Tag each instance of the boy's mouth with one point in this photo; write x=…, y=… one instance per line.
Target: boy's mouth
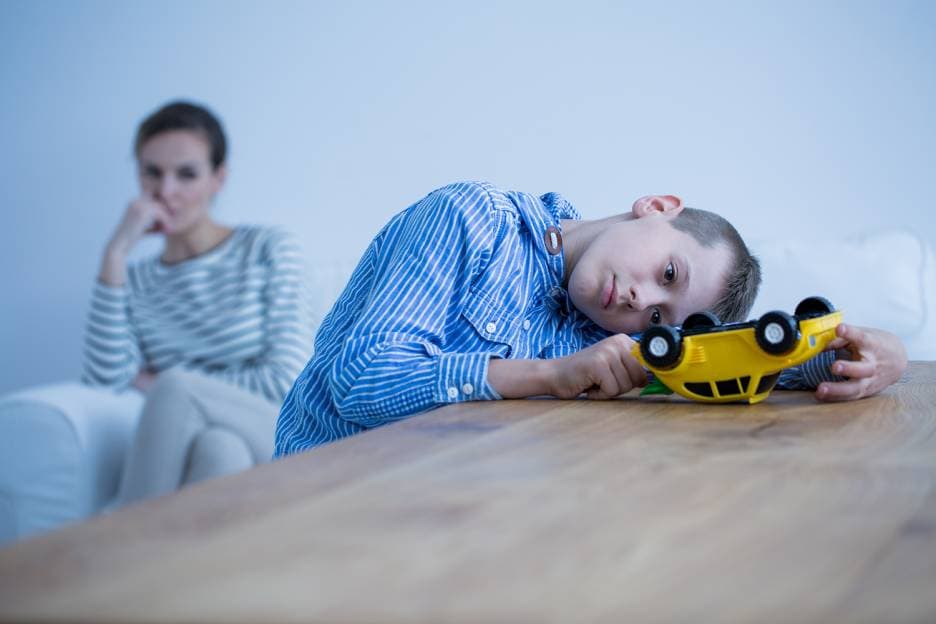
x=609, y=293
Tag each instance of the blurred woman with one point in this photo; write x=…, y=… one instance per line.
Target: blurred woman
x=214, y=329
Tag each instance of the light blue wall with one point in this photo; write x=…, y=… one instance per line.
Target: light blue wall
x=342, y=113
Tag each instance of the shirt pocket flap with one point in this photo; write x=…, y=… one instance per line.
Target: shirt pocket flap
x=491, y=320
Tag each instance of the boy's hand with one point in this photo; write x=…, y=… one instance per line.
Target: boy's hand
x=878, y=360
x=602, y=371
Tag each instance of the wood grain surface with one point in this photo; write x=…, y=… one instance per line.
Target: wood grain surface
x=568, y=511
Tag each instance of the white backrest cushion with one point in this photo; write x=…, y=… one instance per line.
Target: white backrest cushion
x=327, y=279
x=879, y=279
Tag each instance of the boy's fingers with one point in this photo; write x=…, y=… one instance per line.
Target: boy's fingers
x=607, y=385
x=836, y=343
x=854, y=335
x=635, y=372
x=845, y=334
x=627, y=369
x=853, y=369
x=840, y=390
x=598, y=393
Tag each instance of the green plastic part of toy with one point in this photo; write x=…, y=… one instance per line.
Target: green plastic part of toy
x=655, y=387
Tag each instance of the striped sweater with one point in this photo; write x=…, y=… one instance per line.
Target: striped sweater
x=238, y=312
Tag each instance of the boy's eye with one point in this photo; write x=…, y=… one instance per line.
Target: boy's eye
x=655, y=317
x=669, y=274
x=187, y=174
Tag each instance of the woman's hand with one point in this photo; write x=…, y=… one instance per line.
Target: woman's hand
x=144, y=215
x=878, y=360
x=144, y=381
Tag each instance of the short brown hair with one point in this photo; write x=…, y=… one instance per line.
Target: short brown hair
x=744, y=273
x=185, y=116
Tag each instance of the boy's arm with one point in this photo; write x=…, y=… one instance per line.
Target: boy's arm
x=392, y=363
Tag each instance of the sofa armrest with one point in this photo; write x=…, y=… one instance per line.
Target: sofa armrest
x=62, y=449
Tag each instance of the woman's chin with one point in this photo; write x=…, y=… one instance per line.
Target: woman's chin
x=174, y=228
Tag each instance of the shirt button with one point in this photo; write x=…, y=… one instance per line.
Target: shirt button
x=453, y=393
x=467, y=388
x=526, y=324
x=490, y=328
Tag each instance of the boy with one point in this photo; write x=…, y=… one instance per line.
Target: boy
x=477, y=293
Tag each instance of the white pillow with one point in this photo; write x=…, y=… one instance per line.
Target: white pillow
x=327, y=280
x=880, y=279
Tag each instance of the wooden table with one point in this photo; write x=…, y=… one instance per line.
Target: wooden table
x=568, y=511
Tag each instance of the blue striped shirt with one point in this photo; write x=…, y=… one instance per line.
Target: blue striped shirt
x=459, y=277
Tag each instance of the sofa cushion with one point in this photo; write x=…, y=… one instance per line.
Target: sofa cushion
x=881, y=279
x=62, y=447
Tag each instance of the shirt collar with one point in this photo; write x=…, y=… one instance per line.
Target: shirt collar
x=559, y=208
x=541, y=213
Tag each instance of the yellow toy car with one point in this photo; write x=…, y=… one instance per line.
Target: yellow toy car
x=707, y=361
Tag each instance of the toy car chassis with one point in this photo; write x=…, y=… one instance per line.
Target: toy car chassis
x=705, y=360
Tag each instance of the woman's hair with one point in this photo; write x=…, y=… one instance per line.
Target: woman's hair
x=185, y=116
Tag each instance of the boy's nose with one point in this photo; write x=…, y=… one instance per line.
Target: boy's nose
x=635, y=301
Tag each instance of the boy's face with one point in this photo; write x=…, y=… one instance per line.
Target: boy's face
x=643, y=271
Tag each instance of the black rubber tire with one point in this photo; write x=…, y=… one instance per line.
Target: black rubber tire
x=813, y=306
x=700, y=320
x=661, y=346
x=777, y=332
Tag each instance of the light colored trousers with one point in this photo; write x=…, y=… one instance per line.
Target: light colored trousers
x=192, y=428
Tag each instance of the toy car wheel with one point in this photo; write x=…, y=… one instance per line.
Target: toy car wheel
x=701, y=320
x=661, y=346
x=814, y=306
x=776, y=332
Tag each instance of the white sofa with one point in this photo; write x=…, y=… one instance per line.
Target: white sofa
x=62, y=446
x=61, y=452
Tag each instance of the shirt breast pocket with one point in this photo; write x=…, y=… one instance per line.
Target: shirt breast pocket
x=493, y=322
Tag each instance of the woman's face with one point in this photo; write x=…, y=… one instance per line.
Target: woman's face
x=175, y=169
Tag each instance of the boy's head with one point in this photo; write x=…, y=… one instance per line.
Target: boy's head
x=744, y=276
x=658, y=264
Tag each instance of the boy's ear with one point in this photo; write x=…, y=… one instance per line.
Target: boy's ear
x=650, y=204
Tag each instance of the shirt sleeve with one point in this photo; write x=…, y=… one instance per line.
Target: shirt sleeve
x=287, y=325
x=809, y=374
x=394, y=362
x=112, y=355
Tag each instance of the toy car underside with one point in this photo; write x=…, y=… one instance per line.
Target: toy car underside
x=708, y=361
